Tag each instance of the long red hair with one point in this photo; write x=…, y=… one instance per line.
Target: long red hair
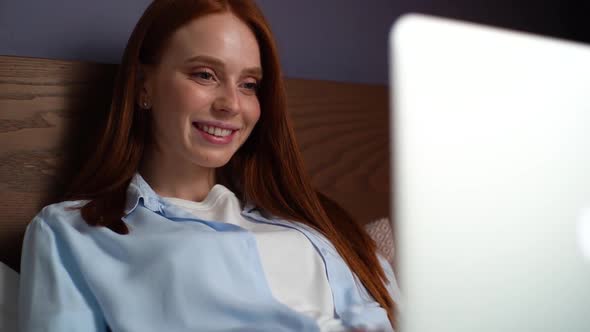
x=267, y=170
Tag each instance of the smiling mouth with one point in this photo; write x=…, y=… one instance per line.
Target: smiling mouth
x=214, y=131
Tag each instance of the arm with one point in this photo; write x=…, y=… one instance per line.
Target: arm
x=53, y=296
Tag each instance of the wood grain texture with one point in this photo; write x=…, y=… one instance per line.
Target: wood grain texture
x=342, y=130
x=49, y=111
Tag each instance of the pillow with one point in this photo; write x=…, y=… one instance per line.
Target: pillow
x=8, y=298
x=381, y=232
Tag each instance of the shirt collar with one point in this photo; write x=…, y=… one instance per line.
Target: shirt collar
x=139, y=189
x=249, y=207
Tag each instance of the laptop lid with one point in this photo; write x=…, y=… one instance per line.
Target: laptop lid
x=491, y=178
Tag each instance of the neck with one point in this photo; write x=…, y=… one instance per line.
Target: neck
x=170, y=178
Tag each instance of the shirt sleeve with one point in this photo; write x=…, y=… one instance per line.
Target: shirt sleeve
x=53, y=296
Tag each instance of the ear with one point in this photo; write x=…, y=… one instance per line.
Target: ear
x=144, y=91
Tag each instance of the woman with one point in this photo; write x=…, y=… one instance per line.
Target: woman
x=194, y=212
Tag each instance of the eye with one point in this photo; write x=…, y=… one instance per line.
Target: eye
x=203, y=75
x=251, y=86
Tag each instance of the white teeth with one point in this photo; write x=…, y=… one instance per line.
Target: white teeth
x=216, y=131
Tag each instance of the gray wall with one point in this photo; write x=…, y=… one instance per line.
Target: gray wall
x=343, y=40
x=68, y=29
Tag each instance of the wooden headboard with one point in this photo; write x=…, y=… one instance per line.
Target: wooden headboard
x=48, y=109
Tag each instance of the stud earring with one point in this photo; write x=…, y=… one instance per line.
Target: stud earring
x=145, y=105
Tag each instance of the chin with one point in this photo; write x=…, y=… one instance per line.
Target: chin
x=212, y=161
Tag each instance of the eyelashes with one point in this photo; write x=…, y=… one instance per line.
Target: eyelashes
x=203, y=75
x=208, y=77
x=252, y=86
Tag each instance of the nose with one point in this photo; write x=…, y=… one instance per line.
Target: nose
x=227, y=100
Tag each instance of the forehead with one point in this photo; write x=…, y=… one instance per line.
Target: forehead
x=223, y=36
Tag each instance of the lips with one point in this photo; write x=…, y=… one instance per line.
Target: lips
x=212, y=130
x=216, y=133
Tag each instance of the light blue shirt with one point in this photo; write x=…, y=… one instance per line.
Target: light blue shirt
x=172, y=272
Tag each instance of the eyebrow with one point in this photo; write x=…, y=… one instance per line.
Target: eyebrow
x=252, y=71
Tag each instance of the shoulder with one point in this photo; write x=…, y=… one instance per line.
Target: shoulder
x=64, y=210
x=58, y=216
x=57, y=232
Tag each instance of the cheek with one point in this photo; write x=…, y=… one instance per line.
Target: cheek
x=253, y=112
x=181, y=95
x=176, y=100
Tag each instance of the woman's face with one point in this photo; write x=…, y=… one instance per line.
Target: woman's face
x=202, y=93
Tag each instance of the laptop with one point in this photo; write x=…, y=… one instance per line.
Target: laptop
x=491, y=178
